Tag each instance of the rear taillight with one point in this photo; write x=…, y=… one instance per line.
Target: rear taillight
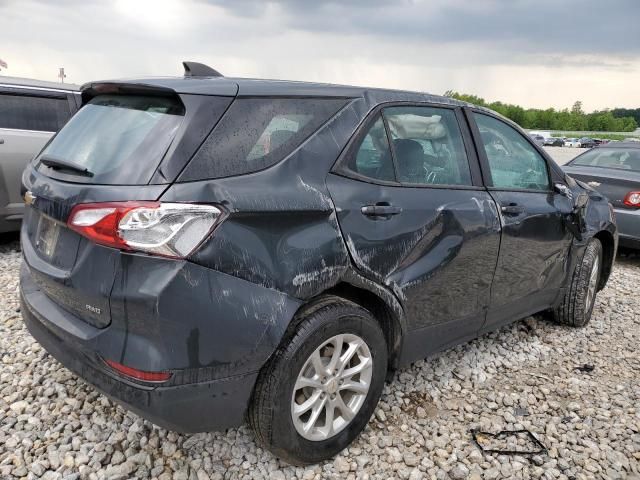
x=167, y=229
x=632, y=199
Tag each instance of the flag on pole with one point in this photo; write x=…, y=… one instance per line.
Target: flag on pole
x=3, y=64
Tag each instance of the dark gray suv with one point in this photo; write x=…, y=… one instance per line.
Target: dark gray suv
x=206, y=250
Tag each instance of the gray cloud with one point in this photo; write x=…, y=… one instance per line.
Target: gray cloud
x=527, y=26
x=534, y=53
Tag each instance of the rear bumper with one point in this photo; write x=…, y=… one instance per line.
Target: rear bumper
x=201, y=397
x=214, y=405
x=628, y=222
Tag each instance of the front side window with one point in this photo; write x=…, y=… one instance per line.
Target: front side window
x=428, y=146
x=24, y=112
x=513, y=162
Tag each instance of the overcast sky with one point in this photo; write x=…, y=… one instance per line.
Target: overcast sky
x=536, y=53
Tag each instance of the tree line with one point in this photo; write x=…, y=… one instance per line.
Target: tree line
x=575, y=119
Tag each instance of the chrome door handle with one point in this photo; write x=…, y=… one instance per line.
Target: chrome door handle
x=380, y=210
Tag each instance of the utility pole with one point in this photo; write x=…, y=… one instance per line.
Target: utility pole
x=3, y=64
x=61, y=75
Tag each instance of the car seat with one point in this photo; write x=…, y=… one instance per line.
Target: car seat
x=411, y=159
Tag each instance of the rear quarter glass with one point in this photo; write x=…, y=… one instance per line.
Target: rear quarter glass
x=256, y=133
x=119, y=139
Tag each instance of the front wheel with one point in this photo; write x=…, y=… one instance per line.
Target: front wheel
x=319, y=390
x=577, y=305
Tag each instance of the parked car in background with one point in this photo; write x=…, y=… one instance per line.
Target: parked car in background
x=613, y=169
x=587, y=142
x=30, y=112
x=572, y=142
x=207, y=250
x=554, y=142
x=538, y=139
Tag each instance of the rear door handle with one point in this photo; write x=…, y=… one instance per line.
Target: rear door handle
x=380, y=210
x=512, y=209
x=1, y=141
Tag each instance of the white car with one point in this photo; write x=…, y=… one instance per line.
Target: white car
x=572, y=142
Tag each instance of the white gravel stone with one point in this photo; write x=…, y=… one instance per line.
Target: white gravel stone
x=54, y=426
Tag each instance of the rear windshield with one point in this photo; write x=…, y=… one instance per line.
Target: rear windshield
x=621, y=159
x=256, y=133
x=118, y=139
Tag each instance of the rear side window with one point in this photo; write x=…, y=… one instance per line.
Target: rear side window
x=24, y=112
x=119, y=139
x=428, y=146
x=373, y=156
x=256, y=133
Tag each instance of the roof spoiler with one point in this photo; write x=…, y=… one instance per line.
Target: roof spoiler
x=195, y=69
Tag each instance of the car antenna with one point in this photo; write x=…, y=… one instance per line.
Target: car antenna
x=195, y=69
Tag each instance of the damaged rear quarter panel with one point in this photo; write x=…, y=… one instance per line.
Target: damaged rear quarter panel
x=281, y=231
x=174, y=314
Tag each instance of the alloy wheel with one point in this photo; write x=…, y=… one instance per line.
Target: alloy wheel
x=331, y=387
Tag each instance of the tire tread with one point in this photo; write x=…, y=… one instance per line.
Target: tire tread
x=570, y=311
x=260, y=414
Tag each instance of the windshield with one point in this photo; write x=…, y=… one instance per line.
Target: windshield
x=622, y=159
x=119, y=139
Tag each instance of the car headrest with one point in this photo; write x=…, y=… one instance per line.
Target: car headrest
x=409, y=152
x=633, y=161
x=279, y=137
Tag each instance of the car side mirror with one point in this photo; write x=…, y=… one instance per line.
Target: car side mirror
x=574, y=220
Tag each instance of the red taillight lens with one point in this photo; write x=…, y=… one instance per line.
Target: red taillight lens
x=168, y=229
x=138, y=374
x=632, y=199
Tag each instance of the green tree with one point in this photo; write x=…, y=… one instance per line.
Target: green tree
x=617, y=120
x=577, y=108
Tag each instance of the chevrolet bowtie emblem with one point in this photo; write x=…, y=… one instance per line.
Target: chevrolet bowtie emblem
x=594, y=184
x=29, y=198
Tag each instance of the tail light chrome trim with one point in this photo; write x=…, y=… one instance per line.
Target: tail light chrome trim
x=172, y=230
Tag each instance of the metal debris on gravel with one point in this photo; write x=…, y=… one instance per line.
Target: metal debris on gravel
x=54, y=426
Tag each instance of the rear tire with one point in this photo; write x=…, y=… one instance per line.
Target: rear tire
x=577, y=305
x=306, y=357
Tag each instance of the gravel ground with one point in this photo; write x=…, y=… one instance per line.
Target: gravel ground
x=53, y=425
x=563, y=154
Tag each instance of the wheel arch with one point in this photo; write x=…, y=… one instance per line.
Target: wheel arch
x=388, y=319
x=382, y=304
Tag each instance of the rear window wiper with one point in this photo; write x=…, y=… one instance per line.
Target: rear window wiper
x=59, y=163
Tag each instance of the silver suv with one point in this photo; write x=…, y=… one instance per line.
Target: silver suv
x=31, y=111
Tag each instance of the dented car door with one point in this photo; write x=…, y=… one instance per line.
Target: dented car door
x=416, y=218
x=532, y=264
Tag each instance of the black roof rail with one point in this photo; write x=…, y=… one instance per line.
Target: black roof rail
x=195, y=69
